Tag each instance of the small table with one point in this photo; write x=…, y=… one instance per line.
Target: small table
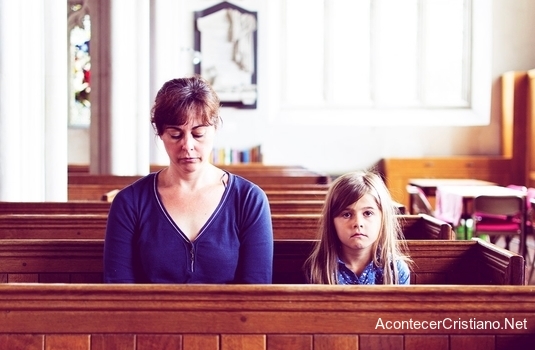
x=455, y=203
x=429, y=186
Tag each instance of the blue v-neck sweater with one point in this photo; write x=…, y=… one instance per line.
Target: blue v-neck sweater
x=144, y=245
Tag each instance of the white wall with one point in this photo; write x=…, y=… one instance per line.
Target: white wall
x=340, y=148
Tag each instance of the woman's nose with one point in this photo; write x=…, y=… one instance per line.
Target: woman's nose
x=187, y=143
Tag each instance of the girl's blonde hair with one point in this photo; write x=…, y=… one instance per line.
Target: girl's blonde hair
x=322, y=265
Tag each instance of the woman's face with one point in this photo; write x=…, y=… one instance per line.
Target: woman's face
x=189, y=146
x=358, y=226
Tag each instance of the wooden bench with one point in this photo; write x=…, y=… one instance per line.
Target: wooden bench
x=84, y=168
x=296, y=194
x=258, y=177
x=305, y=226
x=91, y=192
x=238, y=169
x=103, y=207
x=96, y=192
x=285, y=226
x=85, y=186
x=69, y=207
x=474, y=262
x=251, y=317
x=435, y=262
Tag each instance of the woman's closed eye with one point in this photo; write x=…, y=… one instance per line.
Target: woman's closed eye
x=178, y=136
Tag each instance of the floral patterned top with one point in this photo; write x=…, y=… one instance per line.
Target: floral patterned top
x=372, y=274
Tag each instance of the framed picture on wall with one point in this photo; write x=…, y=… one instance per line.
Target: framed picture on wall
x=225, y=35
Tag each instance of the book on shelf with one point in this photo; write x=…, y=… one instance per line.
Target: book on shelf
x=228, y=155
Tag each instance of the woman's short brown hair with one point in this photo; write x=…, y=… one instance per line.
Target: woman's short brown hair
x=179, y=100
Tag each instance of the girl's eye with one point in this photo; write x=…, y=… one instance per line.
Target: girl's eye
x=346, y=215
x=198, y=136
x=368, y=213
x=176, y=136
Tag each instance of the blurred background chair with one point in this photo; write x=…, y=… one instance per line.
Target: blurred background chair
x=418, y=202
x=498, y=216
x=530, y=231
x=530, y=194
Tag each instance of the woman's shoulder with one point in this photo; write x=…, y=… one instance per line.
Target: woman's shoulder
x=242, y=183
x=246, y=192
x=137, y=187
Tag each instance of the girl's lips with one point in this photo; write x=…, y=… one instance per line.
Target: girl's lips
x=358, y=234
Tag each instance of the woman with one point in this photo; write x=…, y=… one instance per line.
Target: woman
x=190, y=222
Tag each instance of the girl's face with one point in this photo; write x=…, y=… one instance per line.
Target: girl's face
x=190, y=145
x=358, y=226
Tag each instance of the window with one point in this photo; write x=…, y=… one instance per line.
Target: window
x=392, y=59
x=80, y=65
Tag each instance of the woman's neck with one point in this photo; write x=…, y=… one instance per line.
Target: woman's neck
x=190, y=181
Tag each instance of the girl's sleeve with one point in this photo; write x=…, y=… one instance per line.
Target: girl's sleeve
x=255, y=264
x=118, y=251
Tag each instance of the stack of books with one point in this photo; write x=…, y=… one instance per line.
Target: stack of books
x=228, y=155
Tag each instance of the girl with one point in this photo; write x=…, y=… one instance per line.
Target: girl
x=360, y=238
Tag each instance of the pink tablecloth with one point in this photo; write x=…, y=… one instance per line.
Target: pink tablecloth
x=450, y=200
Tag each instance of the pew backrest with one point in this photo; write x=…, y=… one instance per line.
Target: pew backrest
x=434, y=262
x=472, y=262
x=239, y=317
x=69, y=207
x=285, y=226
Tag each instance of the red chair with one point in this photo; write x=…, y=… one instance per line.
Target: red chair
x=497, y=216
x=530, y=216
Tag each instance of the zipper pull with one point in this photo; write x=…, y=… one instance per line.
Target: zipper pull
x=192, y=253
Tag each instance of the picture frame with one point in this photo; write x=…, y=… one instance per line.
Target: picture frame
x=225, y=38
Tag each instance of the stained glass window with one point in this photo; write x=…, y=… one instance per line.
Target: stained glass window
x=80, y=67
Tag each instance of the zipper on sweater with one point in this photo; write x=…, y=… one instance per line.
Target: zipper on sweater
x=192, y=256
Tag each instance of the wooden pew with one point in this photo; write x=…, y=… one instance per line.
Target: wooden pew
x=103, y=207
x=53, y=226
x=252, y=317
x=304, y=226
x=435, y=262
x=245, y=170
x=84, y=168
x=474, y=262
x=69, y=207
x=295, y=194
x=85, y=186
x=283, y=176
x=285, y=226
x=92, y=192
x=296, y=206
x=95, y=192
